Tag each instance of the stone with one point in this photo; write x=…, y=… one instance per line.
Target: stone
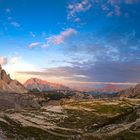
x=6, y=78
x=9, y=85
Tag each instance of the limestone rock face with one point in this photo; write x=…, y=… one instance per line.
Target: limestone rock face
x=18, y=87
x=9, y=85
x=5, y=77
x=132, y=92
x=13, y=94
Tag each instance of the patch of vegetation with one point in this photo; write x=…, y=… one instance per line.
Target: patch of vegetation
x=56, y=95
x=101, y=115
x=81, y=119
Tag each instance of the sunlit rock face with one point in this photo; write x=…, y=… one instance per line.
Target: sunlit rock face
x=9, y=85
x=42, y=85
x=132, y=92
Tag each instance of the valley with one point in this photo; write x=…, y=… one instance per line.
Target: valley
x=74, y=120
x=54, y=112
x=69, y=69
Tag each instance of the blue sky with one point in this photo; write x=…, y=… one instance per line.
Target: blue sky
x=75, y=42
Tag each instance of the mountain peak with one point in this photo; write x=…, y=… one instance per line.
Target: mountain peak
x=43, y=85
x=36, y=80
x=9, y=85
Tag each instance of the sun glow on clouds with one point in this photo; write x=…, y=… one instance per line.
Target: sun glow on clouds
x=59, y=39
x=3, y=60
x=54, y=40
x=18, y=64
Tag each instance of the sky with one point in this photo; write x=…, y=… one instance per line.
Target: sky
x=75, y=42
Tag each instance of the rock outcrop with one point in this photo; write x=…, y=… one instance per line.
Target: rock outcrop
x=132, y=92
x=9, y=85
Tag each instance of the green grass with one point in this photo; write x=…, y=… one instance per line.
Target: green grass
x=101, y=115
x=78, y=119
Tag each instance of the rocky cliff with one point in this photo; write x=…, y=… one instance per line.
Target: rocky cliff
x=9, y=85
x=13, y=95
x=132, y=92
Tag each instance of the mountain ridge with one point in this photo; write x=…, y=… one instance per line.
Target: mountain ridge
x=132, y=92
x=43, y=85
x=9, y=85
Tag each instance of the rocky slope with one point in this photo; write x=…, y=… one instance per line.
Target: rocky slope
x=84, y=120
x=35, y=84
x=13, y=95
x=133, y=92
x=9, y=85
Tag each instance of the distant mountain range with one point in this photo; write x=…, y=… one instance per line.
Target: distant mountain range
x=7, y=85
x=104, y=88
x=35, y=84
x=110, y=88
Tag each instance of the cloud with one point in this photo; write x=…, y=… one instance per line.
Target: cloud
x=8, y=10
x=131, y=1
x=110, y=72
x=9, y=60
x=34, y=44
x=115, y=58
x=75, y=8
x=11, y=21
x=14, y=59
x=19, y=64
x=3, y=60
x=109, y=8
x=60, y=38
x=54, y=40
x=32, y=34
x=15, y=24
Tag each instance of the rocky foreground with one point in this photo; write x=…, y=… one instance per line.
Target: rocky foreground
x=71, y=120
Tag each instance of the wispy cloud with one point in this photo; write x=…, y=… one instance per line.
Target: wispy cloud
x=99, y=72
x=109, y=7
x=8, y=10
x=15, y=24
x=14, y=59
x=60, y=38
x=3, y=60
x=55, y=40
x=32, y=34
x=75, y=8
x=10, y=20
x=34, y=44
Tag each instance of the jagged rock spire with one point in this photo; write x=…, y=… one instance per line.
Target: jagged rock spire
x=9, y=85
